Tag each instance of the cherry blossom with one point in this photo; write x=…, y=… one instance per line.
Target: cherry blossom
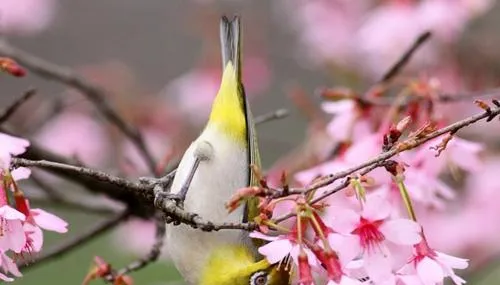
x=281, y=246
x=433, y=266
x=375, y=232
x=26, y=17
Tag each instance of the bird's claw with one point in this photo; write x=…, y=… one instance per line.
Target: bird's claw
x=161, y=196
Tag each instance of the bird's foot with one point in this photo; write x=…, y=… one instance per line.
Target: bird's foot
x=161, y=197
x=161, y=187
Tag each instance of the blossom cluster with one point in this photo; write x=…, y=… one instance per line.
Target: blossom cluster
x=368, y=36
x=20, y=225
x=371, y=231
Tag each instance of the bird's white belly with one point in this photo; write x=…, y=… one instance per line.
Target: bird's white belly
x=214, y=183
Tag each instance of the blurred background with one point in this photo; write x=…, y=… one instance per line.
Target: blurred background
x=160, y=63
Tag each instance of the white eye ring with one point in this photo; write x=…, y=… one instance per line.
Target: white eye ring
x=259, y=278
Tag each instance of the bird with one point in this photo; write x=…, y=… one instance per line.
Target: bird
x=212, y=169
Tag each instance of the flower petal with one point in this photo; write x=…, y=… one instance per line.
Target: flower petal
x=10, y=266
x=9, y=213
x=13, y=236
x=452, y=261
x=260, y=235
x=343, y=220
x=430, y=271
x=35, y=237
x=378, y=265
x=376, y=208
x=276, y=250
x=347, y=246
x=21, y=173
x=401, y=231
x=6, y=278
x=48, y=221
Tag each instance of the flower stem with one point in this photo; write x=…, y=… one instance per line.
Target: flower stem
x=406, y=198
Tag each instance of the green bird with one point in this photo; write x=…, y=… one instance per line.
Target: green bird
x=211, y=170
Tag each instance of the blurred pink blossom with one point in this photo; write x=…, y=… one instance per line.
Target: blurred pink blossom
x=140, y=237
x=369, y=37
x=26, y=17
x=132, y=161
x=10, y=145
x=76, y=134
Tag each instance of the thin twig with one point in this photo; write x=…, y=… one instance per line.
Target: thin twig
x=79, y=170
x=441, y=98
x=95, y=94
x=12, y=108
x=140, y=190
x=151, y=257
x=76, y=242
x=405, y=58
x=379, y=160
x=404, y=146
x=275, y=115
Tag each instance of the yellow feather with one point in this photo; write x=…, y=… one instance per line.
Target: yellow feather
x=228, y=112
x=231, y=265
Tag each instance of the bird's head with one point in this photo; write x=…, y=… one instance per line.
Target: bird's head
x=236, y=265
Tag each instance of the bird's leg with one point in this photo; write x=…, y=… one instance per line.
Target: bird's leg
x=203, y=152
x=161, y=186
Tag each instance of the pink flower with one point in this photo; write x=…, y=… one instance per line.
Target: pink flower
x=447, y=19
x=11, y=227
x=422, y=175
x=48, y=221
x=365, y=147
x=8, y=266
x=386, y=33
x=325, y=28
x=26, y=17
x=37, y=219
x=375, y=233
x=10, y=145
x=157, y=142
x=76, y=134
x=34, y=238
x=348, y=122
x=140, y=237
x=464, y=154
x=433, y=266
x=281, y=246
x=345, y=280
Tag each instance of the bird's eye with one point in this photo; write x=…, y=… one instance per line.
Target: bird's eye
x=258, y=278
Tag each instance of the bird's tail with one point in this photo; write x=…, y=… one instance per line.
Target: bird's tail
x=230, y=40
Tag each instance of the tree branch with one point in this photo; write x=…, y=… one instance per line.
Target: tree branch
x=12, y=108
x=275, y=115
x=146, y=192
x=76, y=242
x=405, y=58
x=408, y=144
x=95, y=94
x=379, y=160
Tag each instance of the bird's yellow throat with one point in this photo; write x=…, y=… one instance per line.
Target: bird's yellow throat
x=228, y=112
